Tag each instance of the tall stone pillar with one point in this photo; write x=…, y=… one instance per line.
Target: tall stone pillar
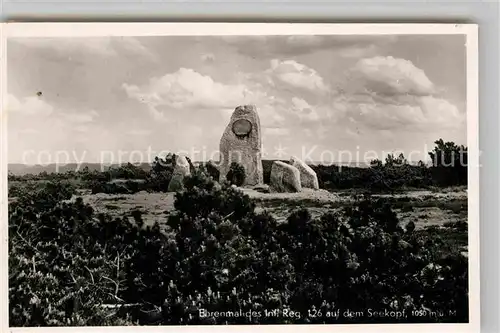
x=241, y=142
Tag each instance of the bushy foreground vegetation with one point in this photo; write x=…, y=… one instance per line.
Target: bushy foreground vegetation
x=236, y=174
x=71, y=266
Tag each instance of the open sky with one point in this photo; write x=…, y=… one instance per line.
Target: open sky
x=317, y=96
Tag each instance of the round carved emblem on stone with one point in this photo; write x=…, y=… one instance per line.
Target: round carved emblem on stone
x=242, y=127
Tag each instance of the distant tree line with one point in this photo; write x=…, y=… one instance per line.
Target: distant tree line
x=448, y=168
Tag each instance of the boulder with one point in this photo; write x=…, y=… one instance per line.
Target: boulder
x=285, y=178
x=181, y=170
x=241, y=142
x=262, y=188
x=308, y=178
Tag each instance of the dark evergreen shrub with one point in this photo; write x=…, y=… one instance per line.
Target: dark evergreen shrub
x=236, y=174
x=212, y=170
x=66, y=262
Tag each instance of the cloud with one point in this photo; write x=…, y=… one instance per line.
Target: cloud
x=352, y=133
x=37, y=125
x=133, y=46
x=139, y=132
x=297, y=75
x=392, y=76
x=441, y=112
x=96, y=46
x=28, y=106
x=187, y=89
x=296, y=45
x=308, y=43
x=208, y=57
x=392, y=94
x=420, y=113
x=183, y=89
x=28, y=131
x=383, y=95
x=272, y=131
x=303, y=110
x=34, y=107
x=81, y=128
x=356, y=51
x=80, y=117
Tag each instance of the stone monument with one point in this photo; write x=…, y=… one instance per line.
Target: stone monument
x=181, y=170
x=241, y=142
x=308, y=177
x=285, y=178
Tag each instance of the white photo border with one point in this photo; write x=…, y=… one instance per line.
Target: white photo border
x=19, y=30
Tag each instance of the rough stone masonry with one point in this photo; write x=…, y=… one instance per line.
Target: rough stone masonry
x=241, y=142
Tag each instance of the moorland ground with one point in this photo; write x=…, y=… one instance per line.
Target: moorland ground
x=423, y=207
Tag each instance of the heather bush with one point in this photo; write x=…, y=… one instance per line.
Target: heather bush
x=449, y=163
x=60, y=270
x=129, y=179
x=378, y=177
x=87, y=176
x=448, y=168
x=203, y=196
x=236, y=174
x=212, y=170
x=42, y=196
x=66, y=263
x=127, y=171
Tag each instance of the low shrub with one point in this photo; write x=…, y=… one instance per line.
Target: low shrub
x=66, y=262
x=212, y=170
x=133, y=179
x=236, y=174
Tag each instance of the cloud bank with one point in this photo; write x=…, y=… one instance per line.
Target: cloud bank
x=339, y=92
